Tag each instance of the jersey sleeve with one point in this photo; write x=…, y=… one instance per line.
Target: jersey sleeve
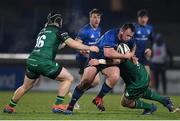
x=62, y=35
x=151, y=38
x=109, y=40
x=81, y=35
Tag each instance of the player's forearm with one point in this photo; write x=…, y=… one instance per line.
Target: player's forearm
x=113, y=54
x=80, y=46
x=77, y=45
x=81, y=51
x=62, y=45
x=110, y=62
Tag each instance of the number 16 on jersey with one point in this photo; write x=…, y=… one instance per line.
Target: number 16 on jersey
x=40, y=41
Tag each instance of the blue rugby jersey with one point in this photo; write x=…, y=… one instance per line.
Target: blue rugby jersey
x=109, y=39
x=89, y=36
x=142, y=37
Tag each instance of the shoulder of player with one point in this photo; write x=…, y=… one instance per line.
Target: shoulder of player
x=62, y=32
x=149, y=26
x=110, y=34
x=47, y=30
x=84, y=29
x=111, y=31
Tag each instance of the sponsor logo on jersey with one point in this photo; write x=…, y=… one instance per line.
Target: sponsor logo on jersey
x=92, y=36
x=91, y=43
x=143, y=38
x=138, y=32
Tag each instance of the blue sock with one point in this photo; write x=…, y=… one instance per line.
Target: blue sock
x=75, y=97
x=104, y=90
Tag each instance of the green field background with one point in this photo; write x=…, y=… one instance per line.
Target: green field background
x=37, y=106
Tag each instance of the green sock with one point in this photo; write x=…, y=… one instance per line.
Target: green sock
x=12, y=103
x=149, y=94
x=142, y=105
x=59, y=100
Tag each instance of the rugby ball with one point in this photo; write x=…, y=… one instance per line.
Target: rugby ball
x=123, y=48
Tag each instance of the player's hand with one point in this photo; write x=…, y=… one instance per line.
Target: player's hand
x=93, y=62
x=84, y=52
x=94, y=49
x=128, y=55
x=135, y=60
x=148, y=53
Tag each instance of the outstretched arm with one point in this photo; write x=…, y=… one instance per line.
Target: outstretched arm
x=62, y=45
x=77, y=45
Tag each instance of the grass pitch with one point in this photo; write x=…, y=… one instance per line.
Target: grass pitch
x=37, y=105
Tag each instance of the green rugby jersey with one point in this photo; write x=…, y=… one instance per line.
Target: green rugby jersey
x=48, y=41
x=134, y=75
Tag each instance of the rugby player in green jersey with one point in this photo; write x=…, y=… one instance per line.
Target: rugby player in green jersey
x=42, y=61
x=136, y=80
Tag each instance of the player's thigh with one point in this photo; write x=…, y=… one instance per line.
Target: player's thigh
x=64, y=74
x=31, y=71
x=97, y=78
x=52, y=70
x=45, y=67
x=87, y=77
x=89, y=73
x=31, y=77
x=112, y=72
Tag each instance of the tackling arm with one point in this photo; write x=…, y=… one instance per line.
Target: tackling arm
x=77, y=45
x=113, y=54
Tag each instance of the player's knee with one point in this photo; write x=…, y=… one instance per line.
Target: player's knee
x=71, y=78
x=113, y=79
x=95, y=83
x=128, y=103
x=132, y=104
x=124, y=103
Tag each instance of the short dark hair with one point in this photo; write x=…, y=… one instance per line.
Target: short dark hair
x=142, y=12
x=128, y=26
x=95, y=11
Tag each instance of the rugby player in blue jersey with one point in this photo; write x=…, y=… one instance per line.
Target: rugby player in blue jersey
x=143, y=38
x=107, y=51
x=88, y=35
